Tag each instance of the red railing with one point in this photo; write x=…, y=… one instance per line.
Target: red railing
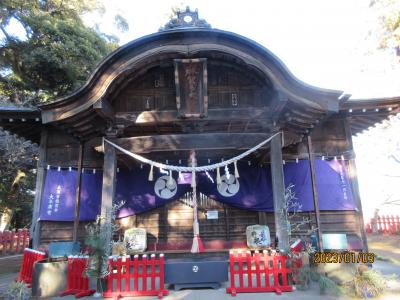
x=136, y=277
x=13, y=242
x=78, y=282
x=260, y=272
x=30, y=257
x=384, y=224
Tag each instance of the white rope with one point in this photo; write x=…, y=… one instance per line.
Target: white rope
x=192, y=169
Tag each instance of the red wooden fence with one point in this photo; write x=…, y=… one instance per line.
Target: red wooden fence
x=78, y=282
x=13, y=242
x=136, y=277
x=260, y=272
x=384, y=224
x=28, y=260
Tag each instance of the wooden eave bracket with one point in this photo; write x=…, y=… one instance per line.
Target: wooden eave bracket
x=104, y=109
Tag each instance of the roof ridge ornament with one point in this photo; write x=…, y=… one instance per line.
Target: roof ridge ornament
x=186, y=19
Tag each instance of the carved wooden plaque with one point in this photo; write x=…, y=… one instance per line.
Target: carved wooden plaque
x=191, y=87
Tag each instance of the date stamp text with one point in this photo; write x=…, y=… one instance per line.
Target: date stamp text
x=344, y=257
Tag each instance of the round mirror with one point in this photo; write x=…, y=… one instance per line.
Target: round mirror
x=187, y=19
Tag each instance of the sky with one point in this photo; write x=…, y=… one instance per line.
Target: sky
x=379, y=170
x=323, y=43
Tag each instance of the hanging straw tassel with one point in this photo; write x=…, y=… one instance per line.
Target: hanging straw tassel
x=236, y=170
x=219, y=181
x=151, y=173
x=197, y=245
x=170, y=182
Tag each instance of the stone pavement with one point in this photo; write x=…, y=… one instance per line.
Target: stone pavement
x=208, y=294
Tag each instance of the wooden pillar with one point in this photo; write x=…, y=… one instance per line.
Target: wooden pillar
x=314, y=190
x=355, y=188
x=40, y=178
x=262, y=218
x=78, y=193
x=226, y=215
x=108, y=190
x=278, y=189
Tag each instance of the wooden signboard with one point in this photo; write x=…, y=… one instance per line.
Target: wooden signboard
x=212, y=214
x=135, y=240
x=258, y=236
x=191, y=87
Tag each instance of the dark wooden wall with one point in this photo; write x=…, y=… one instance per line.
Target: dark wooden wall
x=155, y=90
x=62, y=150
x=328, y=138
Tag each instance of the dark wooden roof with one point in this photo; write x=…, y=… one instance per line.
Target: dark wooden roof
x=365, y=113
x=87, y=112
x=25, y=122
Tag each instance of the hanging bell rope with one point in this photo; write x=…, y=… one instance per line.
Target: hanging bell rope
x=191, y=169
x=197, y=245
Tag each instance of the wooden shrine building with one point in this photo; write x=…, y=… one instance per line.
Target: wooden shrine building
x=191, y=87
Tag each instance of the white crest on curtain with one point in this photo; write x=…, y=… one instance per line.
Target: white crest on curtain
x=229, y=186
x=165, y=187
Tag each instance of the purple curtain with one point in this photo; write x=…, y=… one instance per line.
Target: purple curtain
x=58, y=198
x=252, y=191
x=139, y=194
x=333, y=186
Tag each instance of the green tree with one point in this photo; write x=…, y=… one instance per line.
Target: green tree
x=17, y=180
x=386, y=30
x=57, y=53
x=54, y=56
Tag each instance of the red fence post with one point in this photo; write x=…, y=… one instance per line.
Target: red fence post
x=232, y=289
x=14, y=241
x=1, y=243
x=162, y=292
x=249, y=266
x=6, y=237
x=398, y=224
x=19, y=234
x=28, y=260
x=257, y=262
x=152, y=272
x=120, y=269
x=259, y=265
x=77, y=281
x=388, y=224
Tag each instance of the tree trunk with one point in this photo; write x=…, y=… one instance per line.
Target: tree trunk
x=5, y=219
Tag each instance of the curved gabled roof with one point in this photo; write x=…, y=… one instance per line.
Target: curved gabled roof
x=84, y=115
x=188, y=43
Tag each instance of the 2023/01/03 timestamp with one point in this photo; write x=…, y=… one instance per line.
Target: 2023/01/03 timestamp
x=344, y=257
